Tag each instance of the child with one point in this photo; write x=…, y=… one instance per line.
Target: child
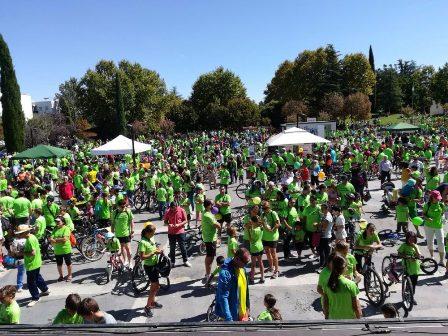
x=410, y=251
x=219, y=263
x=9, y=309
x=240, y=174
x=232, y=242
x=339, y=224
x=402, y=215
x=389, y=311
x=271, y=313
x=69, y=315
x=299, y=239
x=112, y=243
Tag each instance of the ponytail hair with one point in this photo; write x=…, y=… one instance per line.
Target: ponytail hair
x=270, y=301
x=337, y=269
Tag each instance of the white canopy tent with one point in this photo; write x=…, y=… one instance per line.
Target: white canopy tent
x=120, y=145
x=294, y=136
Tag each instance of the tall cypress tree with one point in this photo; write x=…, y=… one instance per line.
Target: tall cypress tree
x=372, y=65
x=119, y=107
x=12, y=116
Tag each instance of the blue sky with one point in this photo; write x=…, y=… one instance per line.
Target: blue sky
x=51, y=41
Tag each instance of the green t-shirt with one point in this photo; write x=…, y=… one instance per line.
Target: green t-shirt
x=41, y=225
x=435, y=212
x=161, y=194
x=113, y=245
x=270, y=218
x=255, y=237
x=432, y=182
x=104, y=208
x=199, y=202
x=32, y=262
x=209, y=232
x=412, y=265
x=65, y=247
x=312, y=215
x=21, y=207
x=63, y=317
x=402, y=213
x=292, y=217
x=36, y=204
x=264, y=316
x=232, y=245
x=7, y=203
x=129, y=183
x=224, y=177
x=147, y=246
x=324, y=276
x=225, y=209
x=50, y=213
x=10, y=314
x=351, y=266
x=340, y=301
x=122, y=223
x=369, y=240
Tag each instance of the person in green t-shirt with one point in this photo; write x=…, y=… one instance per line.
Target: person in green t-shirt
x=69, y=315
x=366, y=242
x=104, y=205
x=149, y=252
x=224, y=177
x=22, y=208
x=39, y=224
x=60, y=239
x=410, y=253
x=222, y=201
x=199, y=200
x=33, y=262
x=162, y=197
x=270, y=313
x=9, y=309
x=271, y=225
x=402, y=215
x=433, y=212
x=209, y=236
x=340, y=295
x=123, y=228
x=312, y=217
x=232, y=242
x=50, y=211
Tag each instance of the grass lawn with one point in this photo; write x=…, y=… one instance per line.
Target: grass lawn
x=392, y=119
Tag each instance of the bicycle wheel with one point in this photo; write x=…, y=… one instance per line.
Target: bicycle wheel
x=241, y=190
x=211, y=315
x=202, y=248
x=374, y=288
x=93, y=249
x=164, y=283
x=139, y=200
x=139, y=279
x=386, y=266
x=429, y=266
x=407, y=293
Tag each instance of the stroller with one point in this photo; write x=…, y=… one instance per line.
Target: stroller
x=390, y=197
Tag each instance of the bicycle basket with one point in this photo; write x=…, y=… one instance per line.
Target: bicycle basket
x=164, y=266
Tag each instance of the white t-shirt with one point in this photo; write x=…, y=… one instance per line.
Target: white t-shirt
x=339, y=228
x=327, y=232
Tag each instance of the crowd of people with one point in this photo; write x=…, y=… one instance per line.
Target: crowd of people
x=296, y=201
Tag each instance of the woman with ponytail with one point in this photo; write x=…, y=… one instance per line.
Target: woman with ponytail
x=340, y=300
x=271, y=313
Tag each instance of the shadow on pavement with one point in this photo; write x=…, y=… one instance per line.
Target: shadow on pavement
x=197, y=318
x=126, y=315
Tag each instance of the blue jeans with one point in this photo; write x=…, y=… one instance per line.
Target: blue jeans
x=20, y=274
x=162, y=208
x=191, y=199
x=35, y=282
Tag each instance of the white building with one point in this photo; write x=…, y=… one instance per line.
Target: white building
x=27, y=106
x=45, y=106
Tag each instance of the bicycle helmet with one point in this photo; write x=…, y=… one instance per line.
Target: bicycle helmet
x=109, y=235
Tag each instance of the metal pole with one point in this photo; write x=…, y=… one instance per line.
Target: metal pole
x=297, y=120
x=133, y=147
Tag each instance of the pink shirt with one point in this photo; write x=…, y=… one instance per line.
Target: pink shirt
x=175, y=216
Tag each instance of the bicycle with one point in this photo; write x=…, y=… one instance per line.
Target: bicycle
x=93, y=247
x=191, y=242
x=373, y=284
x=389, y=238
x=114, y=264
x=46, y=249
x=139, y=279
x=211, y=315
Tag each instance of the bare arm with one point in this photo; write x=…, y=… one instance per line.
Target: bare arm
x=356, y=307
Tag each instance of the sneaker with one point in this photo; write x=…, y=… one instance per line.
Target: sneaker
x=274, y=275
x=46, y=293
x=156, y=305
x=32, y=303
x=19, y=290
x=205, y=279
x=187, y=264
x=262, y=281
x=148, y=312
x=414, y=302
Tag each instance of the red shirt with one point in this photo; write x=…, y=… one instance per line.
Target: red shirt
x=175, y=216
x=304, y=174
x=66, y=190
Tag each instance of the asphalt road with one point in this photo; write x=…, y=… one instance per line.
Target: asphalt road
x=188, y=300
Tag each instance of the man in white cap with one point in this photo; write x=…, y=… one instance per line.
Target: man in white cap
x=33, y=262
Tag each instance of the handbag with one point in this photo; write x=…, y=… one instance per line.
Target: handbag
x=72, y=240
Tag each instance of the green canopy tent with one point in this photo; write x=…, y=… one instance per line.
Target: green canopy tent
x=402, y=127
x=42, y=152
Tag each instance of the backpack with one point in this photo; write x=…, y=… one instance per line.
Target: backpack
x=163, y=265
x=6, y=225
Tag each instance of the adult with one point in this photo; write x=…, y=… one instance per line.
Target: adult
x=22, y=209
x=222, y=201
x=123, y=227
x=433, y=212
x=50, y=210
x=66, y=190
x=232, y=294
x=385, y=169
x=104, y=205
x=366, y=242
x=270, y=237
x=340, y=299
x=176, y=218
x=60, y=239
x=326, y=225
x=210, y=229
x=33, y=262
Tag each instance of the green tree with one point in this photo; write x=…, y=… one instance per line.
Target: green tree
x=371, y=59
x=372, y=66
x=333, y=106
x=406, y=76
x=120, y=118
x=242, y=112
x=422, y=88
x=357, y=74
x=295, y=110
x=13, y=118
x=439, y=85
x=280, y=86
x=69, y=98
x=388, y=90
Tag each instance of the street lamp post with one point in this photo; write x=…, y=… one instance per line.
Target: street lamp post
x=131, y=128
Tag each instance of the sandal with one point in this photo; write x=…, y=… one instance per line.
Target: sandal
x=61, y=278
x=68, y=278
